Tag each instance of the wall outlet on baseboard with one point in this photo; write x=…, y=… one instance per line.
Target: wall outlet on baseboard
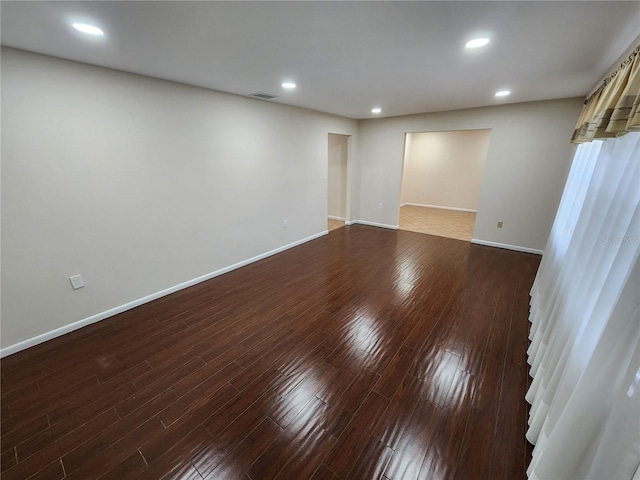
x=76, y=282
x=499, y=224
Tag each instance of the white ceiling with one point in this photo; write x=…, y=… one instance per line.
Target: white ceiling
x=346, y=57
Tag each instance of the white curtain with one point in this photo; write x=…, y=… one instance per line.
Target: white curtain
x=585, y=323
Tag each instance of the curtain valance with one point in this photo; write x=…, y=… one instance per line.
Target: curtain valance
x=613, y=109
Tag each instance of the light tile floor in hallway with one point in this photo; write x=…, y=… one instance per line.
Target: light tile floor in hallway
x=334, y=224
x=435, y=221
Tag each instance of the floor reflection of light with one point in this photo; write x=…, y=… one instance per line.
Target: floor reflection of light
x=441, y=374
x=363, y=331
x=405, y=278
x=435, y=465
x=290, y=404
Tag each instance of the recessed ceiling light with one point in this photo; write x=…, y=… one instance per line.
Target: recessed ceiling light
x=376, y=110
x=503, y=93
x=288, y=85
x=476, y=43
x=89, y=29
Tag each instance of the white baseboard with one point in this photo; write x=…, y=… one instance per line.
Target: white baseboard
x=439, y=207
x=333, y=217
x=517, y=248
x=374, y=224
x=349, y=222
x=135, y=303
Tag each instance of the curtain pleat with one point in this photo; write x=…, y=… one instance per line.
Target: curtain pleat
x=607, y=103
x=626, y=116
x=585, y=324
x=588, y=112
x=613, y=109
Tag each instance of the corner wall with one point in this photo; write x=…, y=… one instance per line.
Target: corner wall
x=141, y=185
x=526, y=167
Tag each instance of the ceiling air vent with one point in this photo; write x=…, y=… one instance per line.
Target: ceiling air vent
x=263, y=96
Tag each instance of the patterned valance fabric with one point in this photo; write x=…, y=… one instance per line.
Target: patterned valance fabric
x=614, y=108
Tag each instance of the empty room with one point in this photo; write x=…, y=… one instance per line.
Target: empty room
x=203, y=269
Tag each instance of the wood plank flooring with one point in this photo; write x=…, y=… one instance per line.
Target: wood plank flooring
x=365, y=354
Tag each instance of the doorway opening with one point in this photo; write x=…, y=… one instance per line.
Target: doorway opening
x=441, y=181
x=337, y=194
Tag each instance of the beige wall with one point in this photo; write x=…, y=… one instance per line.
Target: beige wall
x=526, y=166
x=337, y=181
x=141, y=185
x=444, y=169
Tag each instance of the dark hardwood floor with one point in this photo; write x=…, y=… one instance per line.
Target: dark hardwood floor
x=367, y=353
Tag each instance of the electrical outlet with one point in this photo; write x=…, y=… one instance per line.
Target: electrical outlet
x=285, y=224
x=380, y=205
x=499, y=224
x=76, y=282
